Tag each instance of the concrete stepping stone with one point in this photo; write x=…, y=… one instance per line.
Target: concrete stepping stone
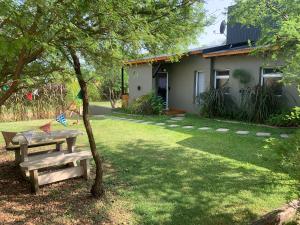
x=139, y=121
x=173, y=125
x=177, y=118
x=284, y=135
x=171, y=121
x=242, y=132
x=222, y=130
x=147, y=122
x=188, y=127
x=160, y=124
x=204, y=128
x=263, y=134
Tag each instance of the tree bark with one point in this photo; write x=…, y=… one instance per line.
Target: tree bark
x=97, y=188
x=279, y=216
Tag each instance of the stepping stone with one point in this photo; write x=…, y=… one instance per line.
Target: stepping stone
x=171, y=121
x=177, y=118
x=160, y=124
x=147, y=122
x=242, y=132
x=262, y=134
x=99, y=116
x=173, y=125
x=204, y=128
x=222, y=130
x=188, y=127
x=284, y=135
x=180, y=115
x=139, y=121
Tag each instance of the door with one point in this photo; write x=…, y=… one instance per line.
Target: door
x=162, y=87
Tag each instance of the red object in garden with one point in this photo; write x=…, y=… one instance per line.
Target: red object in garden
x=29, y=96
x=46, y=128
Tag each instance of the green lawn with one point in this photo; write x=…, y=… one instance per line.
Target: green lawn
x=177, y=176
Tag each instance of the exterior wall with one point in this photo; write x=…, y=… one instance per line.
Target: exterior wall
x=182, y=84
x=140, y=75
x=253, y=65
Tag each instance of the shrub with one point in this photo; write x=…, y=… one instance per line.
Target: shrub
x=217, y=103
x=290, y=119
x=242, y=75
x=288, y=151
x=258, y=104
x=149, y=104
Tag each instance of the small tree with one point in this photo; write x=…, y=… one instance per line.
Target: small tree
x=96, y=34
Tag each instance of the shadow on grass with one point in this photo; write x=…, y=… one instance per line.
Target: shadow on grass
x=175, y=185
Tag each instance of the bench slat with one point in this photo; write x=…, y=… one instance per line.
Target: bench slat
x=50, y=161
x=60, y=175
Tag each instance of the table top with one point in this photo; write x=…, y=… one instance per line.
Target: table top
x=30, y=137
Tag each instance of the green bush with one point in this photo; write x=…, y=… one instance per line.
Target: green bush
x=290, y=119
x=149, y=104
x=288, y=151
x=258, y=104
x=217, y=103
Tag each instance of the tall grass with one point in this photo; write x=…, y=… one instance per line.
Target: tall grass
x=50, y=101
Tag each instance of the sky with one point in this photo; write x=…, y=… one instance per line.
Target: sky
x=211, y=35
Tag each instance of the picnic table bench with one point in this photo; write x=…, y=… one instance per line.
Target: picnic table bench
x=37, y=179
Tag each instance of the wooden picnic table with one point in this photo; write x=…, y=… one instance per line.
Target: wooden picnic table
x=33, y=137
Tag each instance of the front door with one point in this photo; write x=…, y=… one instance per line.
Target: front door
x=162, y=87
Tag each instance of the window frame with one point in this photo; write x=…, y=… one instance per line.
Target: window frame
x=221, y=77
x=196, y=87
x=270, y=75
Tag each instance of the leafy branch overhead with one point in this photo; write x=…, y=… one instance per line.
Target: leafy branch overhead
x=279, y=21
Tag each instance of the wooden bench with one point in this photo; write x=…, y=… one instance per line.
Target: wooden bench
x=36, y=179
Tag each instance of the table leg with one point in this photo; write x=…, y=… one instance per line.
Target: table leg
x=71, y=148
x=17, y=157
x=24, y=152
x=71, y=144
x=24, y=157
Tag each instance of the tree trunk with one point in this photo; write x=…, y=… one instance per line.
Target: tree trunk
x=16, y=76
x=97, y=188
x=279, y=216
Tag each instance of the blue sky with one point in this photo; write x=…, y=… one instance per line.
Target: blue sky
x=211, y=35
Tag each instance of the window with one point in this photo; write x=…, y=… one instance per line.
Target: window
x=222, y=79
x=271, y=78
x=199, y=86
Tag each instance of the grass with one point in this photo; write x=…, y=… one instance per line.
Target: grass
x=105, y=104
x=176, y=176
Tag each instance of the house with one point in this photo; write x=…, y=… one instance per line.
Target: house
x=180, y=83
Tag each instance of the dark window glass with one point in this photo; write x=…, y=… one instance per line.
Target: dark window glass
x=222, y=83
x=274, y=83
x=223, y=73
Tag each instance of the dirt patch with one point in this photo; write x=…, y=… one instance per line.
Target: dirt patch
x=67, y=202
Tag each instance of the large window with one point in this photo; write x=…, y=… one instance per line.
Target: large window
x=271, y=78
x=222, y=79
x=199, y=85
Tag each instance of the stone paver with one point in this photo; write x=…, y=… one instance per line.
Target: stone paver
x=242, y=132
x=204, y=128
x=263, y=134
x=139, y=121
x=171, y=121
x=147, y=122
x=173, y=125
x=188, y=127
x=284, y=135
x=177, y=118
x=222, y=130
x=160, y=124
